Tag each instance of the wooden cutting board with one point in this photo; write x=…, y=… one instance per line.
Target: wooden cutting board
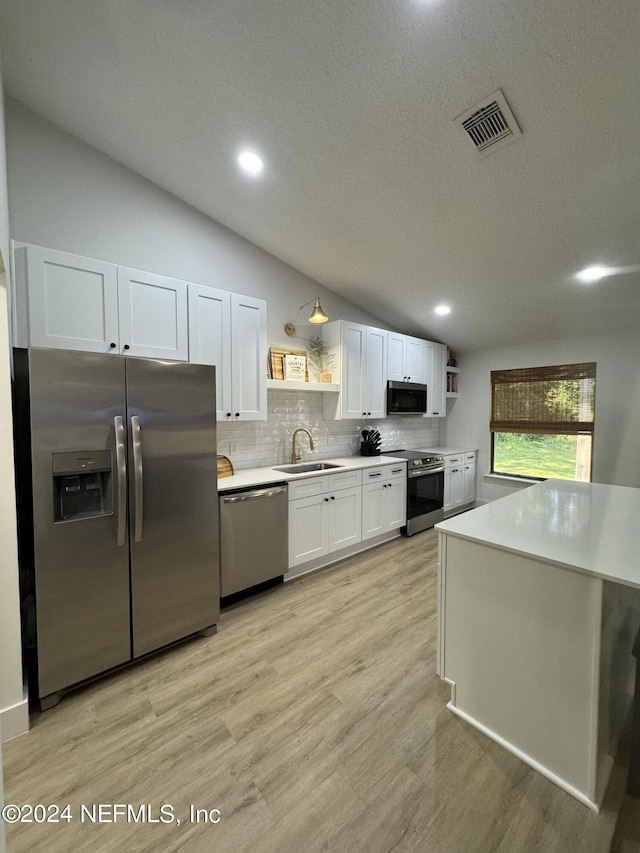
x=225, y=468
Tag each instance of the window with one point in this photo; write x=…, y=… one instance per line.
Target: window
x=542, y=421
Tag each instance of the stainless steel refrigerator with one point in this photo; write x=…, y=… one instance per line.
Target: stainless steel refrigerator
x=117, y=509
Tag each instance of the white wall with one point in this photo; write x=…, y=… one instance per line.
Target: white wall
x=13, y=707
x=66, y=195
x=616, y=448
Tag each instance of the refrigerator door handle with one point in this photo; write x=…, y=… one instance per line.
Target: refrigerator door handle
x=138, y=504
x=121, y=480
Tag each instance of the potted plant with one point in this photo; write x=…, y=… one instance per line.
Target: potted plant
x=320, y=359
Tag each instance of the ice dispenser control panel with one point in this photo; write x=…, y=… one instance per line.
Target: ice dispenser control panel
x=82, y=485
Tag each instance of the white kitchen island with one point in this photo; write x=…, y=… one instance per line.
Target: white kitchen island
x=539, y=604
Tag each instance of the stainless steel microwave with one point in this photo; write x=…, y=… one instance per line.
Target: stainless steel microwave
x=406, y=398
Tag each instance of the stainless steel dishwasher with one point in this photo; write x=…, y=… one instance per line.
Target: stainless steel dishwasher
x=254, y=534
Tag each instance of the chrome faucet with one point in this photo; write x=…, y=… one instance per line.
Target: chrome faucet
x=295, y=457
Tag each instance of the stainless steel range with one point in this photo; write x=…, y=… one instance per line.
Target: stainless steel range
x=425, y=489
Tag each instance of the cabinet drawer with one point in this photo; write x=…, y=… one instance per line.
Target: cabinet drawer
x=385, y=472
x=308, y=487
x=395, y=472
x=452, y=461
x=344, y=480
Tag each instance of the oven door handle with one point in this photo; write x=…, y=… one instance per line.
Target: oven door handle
x=413, y=474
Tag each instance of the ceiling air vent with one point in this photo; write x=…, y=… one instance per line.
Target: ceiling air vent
x=490, y=124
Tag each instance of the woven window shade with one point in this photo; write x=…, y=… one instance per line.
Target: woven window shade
x=555, y=400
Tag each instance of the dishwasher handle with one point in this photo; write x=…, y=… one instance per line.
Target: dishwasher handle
x=249, y=496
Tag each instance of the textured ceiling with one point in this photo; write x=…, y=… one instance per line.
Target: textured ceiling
x=369, y=186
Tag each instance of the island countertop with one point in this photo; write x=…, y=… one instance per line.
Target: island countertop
x=591, y=527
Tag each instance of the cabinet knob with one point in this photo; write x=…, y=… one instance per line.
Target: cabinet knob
x=333, y=497
x=126, y=346
x=228, y=414
x=237, y=414
x=327, y=500
x=112, y=346
x=384, y=485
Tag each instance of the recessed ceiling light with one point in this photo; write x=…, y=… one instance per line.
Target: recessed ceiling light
x=442, y=310
x=250, y=162
x=594, y=273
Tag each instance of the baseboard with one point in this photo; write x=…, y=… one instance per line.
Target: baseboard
x=523, y=756
x=14, y=721
x=338, y=556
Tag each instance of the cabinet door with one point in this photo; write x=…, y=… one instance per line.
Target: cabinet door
x=436, y=401
x=376, y=373
x=396, y=368
x=469, y=477
x=395, y=503
x=453, y=488
x=415, y=359
x=72, y=302
x=249, y=359
x=352, y=356
x=345, y=518
x=372, y=510
x=152, y=310
x=210, y=338
x=308, y=529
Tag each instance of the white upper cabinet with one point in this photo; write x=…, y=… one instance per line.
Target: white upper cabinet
x=361, y=353
x=230, y=331
x=69, y=302
x=375, y=373
x=153, y=315
x=406, y=358
x=248, y=358
x=65, y=301
x=416, y=359
x=210, y=338
x=436, y=400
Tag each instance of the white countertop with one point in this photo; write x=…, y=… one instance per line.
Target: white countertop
x=447, y=451
x=586, y=526
x=261, y=476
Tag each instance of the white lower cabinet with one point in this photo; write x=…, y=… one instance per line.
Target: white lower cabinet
x=345, y=518
x=469, y=481
x=325, y=515
x=308, y=529
x=330, y=513
x=459, y=480
x=384, y=500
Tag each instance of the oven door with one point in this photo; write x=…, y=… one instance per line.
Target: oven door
x=425, y=499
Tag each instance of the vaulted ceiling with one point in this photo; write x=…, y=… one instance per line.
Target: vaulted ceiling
x=369, y=186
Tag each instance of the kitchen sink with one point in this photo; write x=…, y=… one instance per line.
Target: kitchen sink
x=304, y=467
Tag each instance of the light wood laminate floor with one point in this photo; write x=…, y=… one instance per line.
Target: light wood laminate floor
x=313, y=721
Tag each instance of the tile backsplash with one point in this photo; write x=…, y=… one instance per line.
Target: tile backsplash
x=253, y=444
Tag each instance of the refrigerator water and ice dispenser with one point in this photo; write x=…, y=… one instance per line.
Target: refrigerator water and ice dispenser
x=82, y=486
